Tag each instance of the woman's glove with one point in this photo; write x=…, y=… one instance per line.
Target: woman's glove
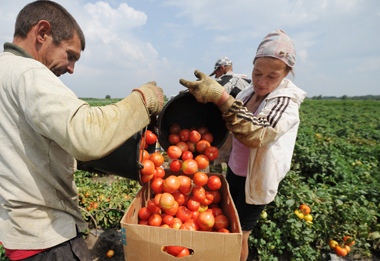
x=205, y=89
x=153, y=96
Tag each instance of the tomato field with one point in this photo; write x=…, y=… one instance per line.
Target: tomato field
x=335, y=172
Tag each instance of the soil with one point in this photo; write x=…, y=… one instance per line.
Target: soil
x=99, y=242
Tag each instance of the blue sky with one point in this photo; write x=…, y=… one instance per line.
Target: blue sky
x=133, y=42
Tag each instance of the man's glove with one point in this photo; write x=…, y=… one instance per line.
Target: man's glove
x=205, y=89
x=153, y=96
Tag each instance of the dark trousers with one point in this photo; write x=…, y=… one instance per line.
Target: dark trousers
x=73, y=250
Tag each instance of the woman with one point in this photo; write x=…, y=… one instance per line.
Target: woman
x=264, y=121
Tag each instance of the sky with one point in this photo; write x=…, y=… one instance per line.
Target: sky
x=131, y=42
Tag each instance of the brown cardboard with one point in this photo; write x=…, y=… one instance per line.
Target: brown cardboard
x=145, y=243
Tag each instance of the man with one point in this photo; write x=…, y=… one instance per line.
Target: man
x=232, y=83
x=44, y=128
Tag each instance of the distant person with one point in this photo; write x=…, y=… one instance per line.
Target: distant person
x=264, y=121
x=44, y=128
x=233, y=83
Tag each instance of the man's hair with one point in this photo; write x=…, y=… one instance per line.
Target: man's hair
x=63, y=24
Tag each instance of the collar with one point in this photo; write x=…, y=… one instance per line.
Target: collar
x=16, y=50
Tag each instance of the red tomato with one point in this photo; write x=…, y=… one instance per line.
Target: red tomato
x=202, y=161
x=195, y=215
x=199, y=193
x=214, y=183
x=146, y=178
x=191, y=146
x=175, y=165
x=185, y=184
x=153, y=207
x=305, y=209
x=157, y=158
x=183, y=146
x=143, y=222
x=160, y=172
x=202, y=130
x=155, y=220
x=212, y=152
x=156, y=185
x=183, y=213
x=167, y=219
x=174, y=152
x=200, y=178
x=216, y=211
x=209, y=197
x=179, y=197
x=192, y=204
x=208, y=136
x=173, y=210
x=194, y=136
x=221, y=221
x=189, y=166
x=206, y=221
x=144, y=154
x=171, y=184
x=223, y=230
x=190, y=224
x=176, y=223
x=144, y=213
x=150, y=137
x=148, y=167
x=167, y=201
x=340, y=251
x=175, y=128
x=217, y=196
x=202, y=145
x=174, y=250
x=174, y=138
x=187, y=155
x=184, y=135
x=184, y=252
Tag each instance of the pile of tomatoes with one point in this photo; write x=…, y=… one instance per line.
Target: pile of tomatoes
x=343, y=248
x=184, y=197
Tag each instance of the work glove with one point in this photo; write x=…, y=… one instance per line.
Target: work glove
x=204, y=89
x=153, y=96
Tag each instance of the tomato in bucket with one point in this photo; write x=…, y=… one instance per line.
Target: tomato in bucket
x=185, y=111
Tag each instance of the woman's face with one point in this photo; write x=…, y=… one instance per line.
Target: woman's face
x=267, y=74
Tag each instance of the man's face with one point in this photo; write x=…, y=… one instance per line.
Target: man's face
x=62, y=58
x=220, y=71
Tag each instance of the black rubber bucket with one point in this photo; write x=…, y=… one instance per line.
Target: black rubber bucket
x=123, y=161
x=184, y=110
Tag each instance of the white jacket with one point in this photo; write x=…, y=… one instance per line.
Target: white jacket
x=271, y=136
x=43, y=126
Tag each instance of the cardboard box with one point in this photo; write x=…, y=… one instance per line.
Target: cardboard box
x=145, y=243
